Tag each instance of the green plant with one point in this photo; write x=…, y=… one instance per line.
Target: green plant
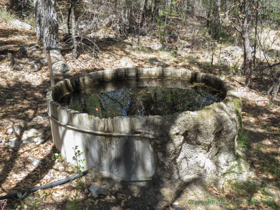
x=31, y=200
x=58, y=157
x=77, y=157
x=276, y=170
x=73, y=203
x=248, y=187
x=259, y=146
x=79, y=167
x=265, y=128
x=242, y=142
x=5, y=15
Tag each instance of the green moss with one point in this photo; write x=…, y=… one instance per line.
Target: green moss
x=237, y=103
x=205, y=114
x=238, y=110
x=239, y=116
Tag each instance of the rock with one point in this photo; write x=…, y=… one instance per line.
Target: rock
x=35, y=162
x=22, y=52
x=235, y=50
x=135, y=47
x=44, y=61
x=96, y=191
x=225, y=58
x=32, y=49
x=13, y=143
x=17, y=129
x=127, y=63
x=156, y=46
x=176, y=207
x=33, y=53
x=226, y=55
x=35, y=65
x=33, y=136
x=56, y=56
x=21, y=25
x=158, y=63
x=186, y=45
x=60, y=67
x=171, y=48
x=224, y=62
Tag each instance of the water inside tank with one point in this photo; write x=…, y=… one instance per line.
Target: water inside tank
x=136, y=99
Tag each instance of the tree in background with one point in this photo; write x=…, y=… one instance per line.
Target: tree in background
x=241, y=19
x=216, y=22
x=46, y=22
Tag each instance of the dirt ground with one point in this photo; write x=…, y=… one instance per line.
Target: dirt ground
x=23, y=100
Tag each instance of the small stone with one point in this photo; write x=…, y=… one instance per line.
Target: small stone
x=21, y=25
x=35, y=162
x=235, y=50
x=135, y=47
x=186, y=46
x=176, y=207
x=33, y=136
x=44, y=61
x=158, y=63
x=61, y=67
x=17, y=129
x=13, y=143
x=156, y=46
x=96, y=191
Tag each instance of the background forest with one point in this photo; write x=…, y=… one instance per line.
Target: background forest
x=235, y=40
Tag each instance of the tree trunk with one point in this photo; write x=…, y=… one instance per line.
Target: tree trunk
x=39, y=19
x=144, y=12
x=127, y=16
x=209, y=13
x=274, y=89
x=248, y=60
x=247, y=57
x=156, y=8
x=46, y=22
x=74, y=51
x=216, y=23
x=256, y=32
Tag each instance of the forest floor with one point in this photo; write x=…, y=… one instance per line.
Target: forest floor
x=23, y=100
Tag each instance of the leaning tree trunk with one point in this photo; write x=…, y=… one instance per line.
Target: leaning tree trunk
x=46, y=22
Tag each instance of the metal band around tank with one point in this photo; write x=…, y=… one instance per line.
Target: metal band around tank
x=140, y=134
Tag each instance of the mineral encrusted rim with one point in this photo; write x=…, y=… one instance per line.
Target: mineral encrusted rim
x=132, y=123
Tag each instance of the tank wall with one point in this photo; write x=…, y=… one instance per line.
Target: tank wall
x=184, y=146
